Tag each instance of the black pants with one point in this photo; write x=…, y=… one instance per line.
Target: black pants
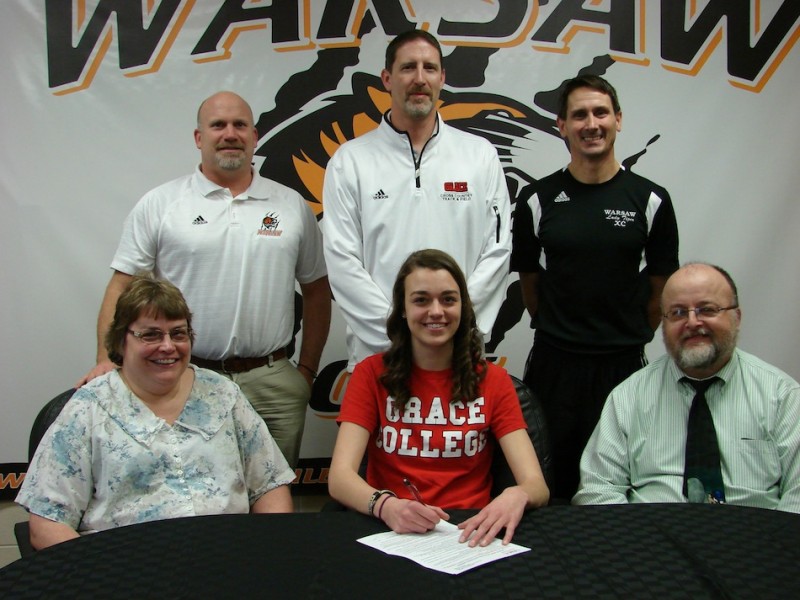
x=573, y=388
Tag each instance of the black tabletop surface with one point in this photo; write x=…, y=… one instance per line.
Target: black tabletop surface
x=641, y=551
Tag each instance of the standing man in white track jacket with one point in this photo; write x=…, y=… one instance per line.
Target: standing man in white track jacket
x=413, y=183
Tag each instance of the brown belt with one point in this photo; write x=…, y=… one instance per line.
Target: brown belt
x=238, y=364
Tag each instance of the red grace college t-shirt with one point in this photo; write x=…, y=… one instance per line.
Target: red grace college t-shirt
x=445, y=449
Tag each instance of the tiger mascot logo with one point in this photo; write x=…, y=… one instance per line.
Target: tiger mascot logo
x=310, y=122
x=269, y=222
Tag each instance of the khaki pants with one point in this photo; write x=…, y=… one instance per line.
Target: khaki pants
x=280, y=394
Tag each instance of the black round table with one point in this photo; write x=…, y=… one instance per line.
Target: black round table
x=638, y=551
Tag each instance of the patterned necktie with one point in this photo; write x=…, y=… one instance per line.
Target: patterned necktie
x=702, y=447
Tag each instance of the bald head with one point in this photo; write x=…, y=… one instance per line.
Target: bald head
x=703, y=275
x=223, y=97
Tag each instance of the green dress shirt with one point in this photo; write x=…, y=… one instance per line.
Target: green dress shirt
x=637, y=450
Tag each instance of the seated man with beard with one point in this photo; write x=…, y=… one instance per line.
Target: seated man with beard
x=704, y=423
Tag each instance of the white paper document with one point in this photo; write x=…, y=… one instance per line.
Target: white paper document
x=439, y=549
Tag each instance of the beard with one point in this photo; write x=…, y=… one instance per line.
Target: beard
x=705, y=355
x=230, y=163
x=416, y=109
x=227, y=162
x=697, y=357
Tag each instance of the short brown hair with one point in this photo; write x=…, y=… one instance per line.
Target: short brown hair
x=410, y=36
x=144, y=295
x=594, y=82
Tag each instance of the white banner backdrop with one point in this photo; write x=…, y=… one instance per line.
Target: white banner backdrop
x=100, y=98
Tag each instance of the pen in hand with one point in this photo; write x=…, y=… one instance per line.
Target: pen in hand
x=413, y=489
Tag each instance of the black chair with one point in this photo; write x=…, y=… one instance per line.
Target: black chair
x=502, y=476
x=41, y=424
x=533, y=413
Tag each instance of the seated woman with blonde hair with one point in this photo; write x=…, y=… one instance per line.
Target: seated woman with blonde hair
x=429, y=412
x=157, y=438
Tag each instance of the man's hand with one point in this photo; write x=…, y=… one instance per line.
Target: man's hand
x=100, y=368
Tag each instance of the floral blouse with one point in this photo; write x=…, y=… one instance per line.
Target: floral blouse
x=108, y=461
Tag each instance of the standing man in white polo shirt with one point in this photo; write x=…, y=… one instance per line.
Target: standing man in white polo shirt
x=234, y=243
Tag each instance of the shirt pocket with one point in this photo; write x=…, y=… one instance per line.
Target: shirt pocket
x=756, y=464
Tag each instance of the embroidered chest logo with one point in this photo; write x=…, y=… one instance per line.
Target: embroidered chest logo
x=456, y=191
x=380, y=195
x=199, y=221
x=269, y=225
x=620, y=218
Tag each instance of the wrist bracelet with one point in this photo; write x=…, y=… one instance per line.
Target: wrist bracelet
x=380, y=508
x=309, y=369
x=374, y=498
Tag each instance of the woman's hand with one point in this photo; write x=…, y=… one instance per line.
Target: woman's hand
x=504, y=511
x=410, y=516
x=507, y=509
